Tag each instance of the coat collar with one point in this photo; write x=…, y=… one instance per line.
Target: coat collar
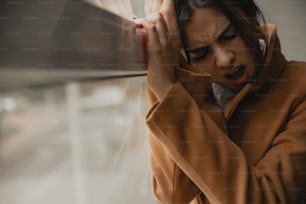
x=196, y=84
x=271, y=69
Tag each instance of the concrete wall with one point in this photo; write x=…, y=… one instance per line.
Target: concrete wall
x=290, y=18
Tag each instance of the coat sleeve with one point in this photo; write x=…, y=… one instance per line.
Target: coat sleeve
x=192, y=154
x=167, y=177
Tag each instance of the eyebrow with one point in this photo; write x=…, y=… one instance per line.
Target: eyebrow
x=226, y=29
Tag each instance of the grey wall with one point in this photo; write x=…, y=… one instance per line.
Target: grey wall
x=290, y=18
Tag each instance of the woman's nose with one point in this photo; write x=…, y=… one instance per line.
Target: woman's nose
x=224, y=58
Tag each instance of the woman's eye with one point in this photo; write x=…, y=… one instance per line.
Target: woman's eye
x=198, y=56
x=229, y=37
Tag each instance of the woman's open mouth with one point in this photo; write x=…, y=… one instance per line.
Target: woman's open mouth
x=237, y=75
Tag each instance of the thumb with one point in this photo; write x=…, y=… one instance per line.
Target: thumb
x=168, y=5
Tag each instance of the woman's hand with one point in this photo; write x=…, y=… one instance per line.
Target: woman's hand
x=161, y=55
x=167, y=9
x=163, y=44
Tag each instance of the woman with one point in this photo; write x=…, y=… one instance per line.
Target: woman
x=228, y=116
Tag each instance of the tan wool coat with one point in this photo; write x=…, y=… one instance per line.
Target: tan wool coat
x=252, y=153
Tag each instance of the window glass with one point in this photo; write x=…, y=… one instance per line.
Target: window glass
x=78, y=143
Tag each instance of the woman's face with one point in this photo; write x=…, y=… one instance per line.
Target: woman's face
x=214, y=47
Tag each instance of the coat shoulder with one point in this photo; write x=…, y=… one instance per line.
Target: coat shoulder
x=294, y=76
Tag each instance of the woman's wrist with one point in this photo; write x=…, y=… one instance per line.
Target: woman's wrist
x=160, y=88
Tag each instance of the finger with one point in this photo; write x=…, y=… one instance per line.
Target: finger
x=162, y=31
x=147, y=6
x=169, y=14
x=152, y=6
x=168, y=4
x=141, y=38
x=153, y=40
x=157, y=5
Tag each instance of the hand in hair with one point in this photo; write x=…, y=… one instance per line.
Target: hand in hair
x=167, y=9
x=161, y=55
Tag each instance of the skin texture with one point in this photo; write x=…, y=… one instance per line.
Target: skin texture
x=227, y=51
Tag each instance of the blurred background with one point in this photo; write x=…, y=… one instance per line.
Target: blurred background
x=86, y=143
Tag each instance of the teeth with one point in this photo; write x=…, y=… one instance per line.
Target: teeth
x=234, y=71
x=235, y=74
